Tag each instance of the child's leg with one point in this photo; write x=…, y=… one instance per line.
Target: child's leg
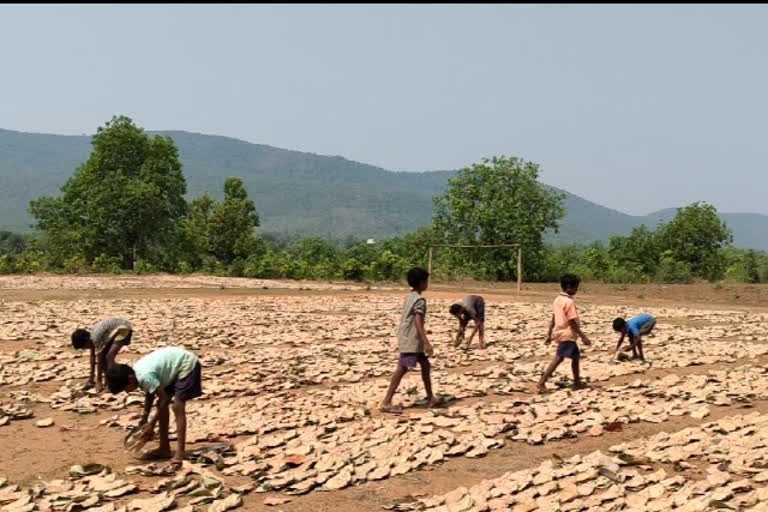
x=482, y=334
x=427, y=379
x=640, y=348
x=576, y=371
x=549, y=371
x=393, y=384
x=179, y=411
x=163, y=419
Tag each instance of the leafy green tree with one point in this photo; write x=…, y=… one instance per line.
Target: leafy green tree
x=231, y=224
x=11, y=243
x=640, y=248
x=125, y=200
x=498, y=201
x=696, y=236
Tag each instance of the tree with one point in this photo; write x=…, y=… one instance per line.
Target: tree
x=231, y=224
x=11, y=243
x=696, y=236
x=124, y=202
x=498, y=201
x=640, y=248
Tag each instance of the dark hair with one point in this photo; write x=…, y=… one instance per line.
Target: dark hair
x=416, y=276
x=619, y=324
x=457, y=309
x=80, y=338
x=118, y=377
x=569, y=281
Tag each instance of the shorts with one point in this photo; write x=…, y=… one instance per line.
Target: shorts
x=647, y=327
x=568, y=350
x=410, y=360
x=480, y=311
x=189, y=387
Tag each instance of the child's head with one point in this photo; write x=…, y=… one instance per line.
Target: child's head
x=80, y=339
x=619, y=325
x=569, y=283
x=121, y=377
x=418, y=279
x=457, y=310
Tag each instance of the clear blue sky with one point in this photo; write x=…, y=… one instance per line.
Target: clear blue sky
x=637, y=107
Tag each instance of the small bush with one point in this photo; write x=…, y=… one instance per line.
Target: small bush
x=673, y=271
x=143, y=267
x=106, y=264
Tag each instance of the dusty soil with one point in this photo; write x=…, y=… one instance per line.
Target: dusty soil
x=31, y=454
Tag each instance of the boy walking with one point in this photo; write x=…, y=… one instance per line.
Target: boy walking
x=471, y=308
x=564, y=328
x=168, y=373
x=637, y=327
x=105, y=339
x=414, y=346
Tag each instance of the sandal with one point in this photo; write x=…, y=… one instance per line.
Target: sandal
x=391, y=409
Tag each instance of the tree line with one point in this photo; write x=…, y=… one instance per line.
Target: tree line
x=124, y=209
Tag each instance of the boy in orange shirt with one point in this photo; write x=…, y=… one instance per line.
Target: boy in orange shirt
x=564, y=328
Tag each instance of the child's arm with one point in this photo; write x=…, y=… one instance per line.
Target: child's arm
x=577, y=329
x=149, y=399
x=474, y=331
x=418, y=319
x=91, y=381
x=621, y=340
x=459, y=333
x=162, y=402
x=549, y=333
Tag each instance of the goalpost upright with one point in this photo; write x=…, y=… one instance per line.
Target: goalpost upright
x=493, y=246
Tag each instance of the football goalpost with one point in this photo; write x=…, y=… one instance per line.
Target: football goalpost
x=495, y=246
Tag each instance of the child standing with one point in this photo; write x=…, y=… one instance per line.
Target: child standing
x=564, y=328
x=105, y=339
x=637, y=327
x=414, y=346
x=471, y=308
x=168, y=373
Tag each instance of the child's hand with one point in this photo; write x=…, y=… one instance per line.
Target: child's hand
x=548, y=340
x=428, y=349
x=587, y=341
x=147, y=433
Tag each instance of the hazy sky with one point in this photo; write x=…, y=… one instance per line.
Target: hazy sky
x=637, y=107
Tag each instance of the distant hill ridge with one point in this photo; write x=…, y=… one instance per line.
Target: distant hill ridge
x=303, y=193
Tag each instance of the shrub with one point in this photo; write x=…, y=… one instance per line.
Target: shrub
x=672, y=271
x=352, y=270
x=106, y=264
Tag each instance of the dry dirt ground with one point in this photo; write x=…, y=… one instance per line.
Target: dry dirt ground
x=293, y=373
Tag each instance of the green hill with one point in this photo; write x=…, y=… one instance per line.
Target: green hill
x=301, y=193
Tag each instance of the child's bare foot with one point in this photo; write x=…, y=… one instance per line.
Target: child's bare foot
x=158, y=454
x=579, y=385
x=542, y=389
x=392, y=409
x=436, y=402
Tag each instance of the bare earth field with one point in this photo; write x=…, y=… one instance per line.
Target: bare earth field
x=293, y=373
